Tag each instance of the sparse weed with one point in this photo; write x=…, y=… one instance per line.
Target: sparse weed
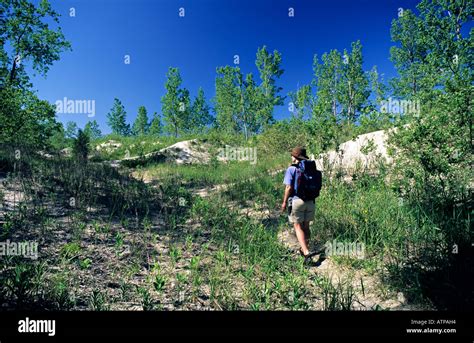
x=98, y=301
x=85, y=263
x=145, y=298
x=159, y=282
x=70, y=251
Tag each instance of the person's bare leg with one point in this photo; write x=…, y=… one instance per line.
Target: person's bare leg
x=307, y=232
x=300, y=234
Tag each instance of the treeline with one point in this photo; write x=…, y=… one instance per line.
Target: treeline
x=243, y=105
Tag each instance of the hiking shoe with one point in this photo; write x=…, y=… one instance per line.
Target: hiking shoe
x=309, y=255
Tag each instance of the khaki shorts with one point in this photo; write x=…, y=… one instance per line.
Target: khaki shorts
x=302, y=211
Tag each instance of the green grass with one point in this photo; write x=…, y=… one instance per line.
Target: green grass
x=216, y=173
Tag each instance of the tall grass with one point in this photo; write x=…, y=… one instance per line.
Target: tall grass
x=214, y=173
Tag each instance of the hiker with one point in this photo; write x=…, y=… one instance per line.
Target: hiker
x=303, y=183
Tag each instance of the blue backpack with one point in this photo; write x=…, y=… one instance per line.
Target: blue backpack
x=308, y=180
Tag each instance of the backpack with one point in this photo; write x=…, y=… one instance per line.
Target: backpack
x=308, y=180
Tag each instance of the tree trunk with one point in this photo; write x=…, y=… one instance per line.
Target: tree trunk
x=13, y=70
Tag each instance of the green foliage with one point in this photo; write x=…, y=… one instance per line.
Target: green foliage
x=91, y=129
x=327, y=80
x=355, y=84
x=241, y=105
x=146, y=300
x=434, y=159
x=117, y=119
x=283, y=136
x=159, y=282
x=59, y=293
x=227, y=98
x=252, y=107
x=175, y=254
x=269, y=67
x=85, y=263
x=430, y=50
x=410, y=56
x=25, y=120
x=336, y=298
x=433, y=152
x=70, y=250
x=24, y=280
x=81, y=146
x=301, y=102
x=155, y=125
x=118, y=241
x=237, y=102
x=175, y=104
x=131, y=145
x=26, y=29
x=329, y=121
x=211, y=174
x=342, y=86
x=200, y=113
x=71, y=130
x=58, y=139
x=140, y=126
x=98, y=301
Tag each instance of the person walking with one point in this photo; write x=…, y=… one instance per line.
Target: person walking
x=302, y=186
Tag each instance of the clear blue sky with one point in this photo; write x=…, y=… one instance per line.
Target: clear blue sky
x=210, y=34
